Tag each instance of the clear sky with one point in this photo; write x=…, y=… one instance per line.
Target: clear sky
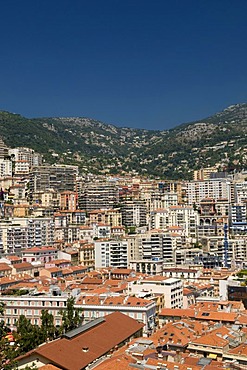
x=137, y=63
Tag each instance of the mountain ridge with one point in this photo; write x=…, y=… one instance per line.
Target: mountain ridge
x=219, y=140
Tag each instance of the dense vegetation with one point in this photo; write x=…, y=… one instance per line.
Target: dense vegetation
x=219, y=140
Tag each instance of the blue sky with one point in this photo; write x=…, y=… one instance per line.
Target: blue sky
x=138, y=63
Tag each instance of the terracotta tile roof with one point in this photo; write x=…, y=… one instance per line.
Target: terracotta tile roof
x=49, y=367
x=67, y=271
x=112, y=282
x=114, y=301
x=217, y=316
x=175, y=334
x=5, y=267
x=94, y=300
x=61, y=261
x=14, y=279
x=53, y=269
x=119, y=327
x=120, y=288
x=170, y=365
x=78, y=268
x=85, y=287
x=242, y=349
x=134, y=301
x=235, y=305
x=120, y=362
x=100, y=290
x=242, y=318
x=121, y=271
x=177, y=312
x=155, y=278
x=212, y=340
x=94, y=281
x=25, y=284
x=14, y=258
x=39, y=249
x=87, y=246
x=23, y=265
x=187, y=291
x=72, y=252
x=214, y=365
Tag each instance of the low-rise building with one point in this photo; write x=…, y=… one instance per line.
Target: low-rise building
x=85, y=345
x=143, y=310
x=42, y=254
x=31, y=306
x=171, y=288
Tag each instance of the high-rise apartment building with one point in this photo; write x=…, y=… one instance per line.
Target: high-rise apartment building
x=111, y=253
x=3, y=149
x=183, y=216
x=6, y=167
x=58, y=177
x=98, y=196
x=240, y=192
x=204, y=173
x=214, y=188
x=134, y=213
x=21, y=233
x=24, y=159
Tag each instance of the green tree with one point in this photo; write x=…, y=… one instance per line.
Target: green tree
x=47, y=329
x=2, y=307
x=7, y=350
x=8, y=354
x=27, y=336
x=3, y=328
x=71, y=317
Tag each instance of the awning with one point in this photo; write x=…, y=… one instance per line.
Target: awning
x=212, y=355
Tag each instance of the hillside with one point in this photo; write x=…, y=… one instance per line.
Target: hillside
x=98, y=147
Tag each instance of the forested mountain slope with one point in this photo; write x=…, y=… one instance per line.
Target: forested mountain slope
x=98, y=147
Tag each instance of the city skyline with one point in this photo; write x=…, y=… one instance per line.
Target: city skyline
x=136, y=64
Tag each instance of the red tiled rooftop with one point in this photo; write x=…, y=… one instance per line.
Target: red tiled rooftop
x=212, y=340
x=39, y=249
x=13, y=258
x=23, y=265
x=5, y=267
x=49, y=367
x=53, y=269
x=94, y=281
x=177, y=312
x=118, y=327
x=241, y=349
x=121, y=271
x=217, y=316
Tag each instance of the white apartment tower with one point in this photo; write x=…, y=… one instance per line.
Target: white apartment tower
x=111, y=253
